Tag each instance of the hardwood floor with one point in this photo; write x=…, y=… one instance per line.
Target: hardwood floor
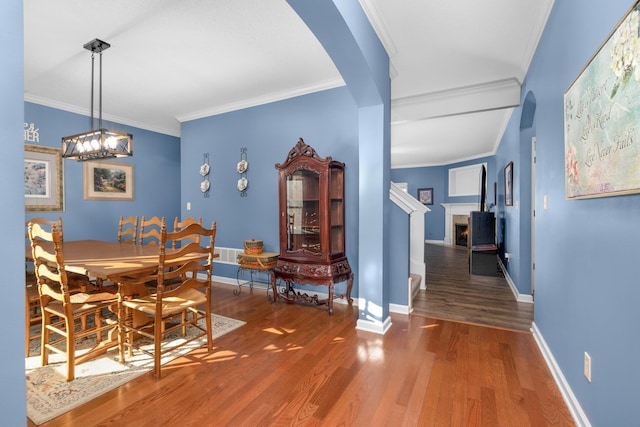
x=293, y=365
x=454, y=294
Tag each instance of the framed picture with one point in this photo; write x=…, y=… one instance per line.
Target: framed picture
x=508, y=184
x=601, y=116
x=108, y=181
x=43, y=179
x=425, y=195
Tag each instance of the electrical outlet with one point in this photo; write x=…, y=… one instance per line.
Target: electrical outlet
x=545, y=202
x=188, y=206
x=587, y=366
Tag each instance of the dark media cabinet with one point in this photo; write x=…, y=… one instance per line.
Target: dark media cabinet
x=483, y=252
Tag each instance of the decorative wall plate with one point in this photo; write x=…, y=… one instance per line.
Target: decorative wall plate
x=242, y=166
x=242, y=184
x=204, y=186
x=204, y=169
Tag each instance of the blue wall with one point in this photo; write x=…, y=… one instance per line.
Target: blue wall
x=12, y=382
x=437, y=177
x=399, y=257
x=328, y=121
x=586, y=251
x=156, y=161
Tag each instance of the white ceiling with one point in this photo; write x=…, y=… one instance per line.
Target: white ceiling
x=456, y=66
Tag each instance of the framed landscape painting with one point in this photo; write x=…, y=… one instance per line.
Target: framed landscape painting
x=108, y=181
x=43, y=179
x=601, y=116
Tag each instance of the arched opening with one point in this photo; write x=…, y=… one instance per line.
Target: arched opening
x=527, y=194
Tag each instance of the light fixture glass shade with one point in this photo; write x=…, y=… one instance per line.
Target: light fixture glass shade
x=97, y=144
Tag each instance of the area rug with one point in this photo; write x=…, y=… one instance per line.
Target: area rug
x=49, y=395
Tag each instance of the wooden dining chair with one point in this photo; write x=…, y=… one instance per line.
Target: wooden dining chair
x=128, y=229
x=32, y=298
x=179, y=225
x=32, y=309
x=78, y=283
x=150, y=230
x=64, y=314
x=165, y=306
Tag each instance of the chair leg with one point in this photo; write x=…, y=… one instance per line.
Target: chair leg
x=158, y=333
x=28, y=329
x=71, y=348
x=98, y=319
x=44, y=338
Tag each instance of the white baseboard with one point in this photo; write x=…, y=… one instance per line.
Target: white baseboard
x=519, y=297
x=374, y=326
x=225, y=280
x=570, y=399
x=435, y=242
x=397, y=308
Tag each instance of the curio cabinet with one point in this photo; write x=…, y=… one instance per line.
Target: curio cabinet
x=312, y=226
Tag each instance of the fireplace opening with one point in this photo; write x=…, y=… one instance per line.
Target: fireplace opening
x=462, y=234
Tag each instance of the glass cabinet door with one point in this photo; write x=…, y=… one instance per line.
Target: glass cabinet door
x=303, y=212
x=336, y=194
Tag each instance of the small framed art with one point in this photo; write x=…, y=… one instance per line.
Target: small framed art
x=508, y=184
x=425, y=195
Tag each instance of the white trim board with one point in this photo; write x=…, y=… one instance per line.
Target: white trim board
x=519, y=297
x=570, y=399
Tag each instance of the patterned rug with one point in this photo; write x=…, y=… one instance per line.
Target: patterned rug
x=49, y=395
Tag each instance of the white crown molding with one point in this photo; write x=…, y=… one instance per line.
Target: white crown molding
x=377, y=22
x=173, y=131
x=495, y=95
x=446, y=163
x=537, y=30
x=253, y=102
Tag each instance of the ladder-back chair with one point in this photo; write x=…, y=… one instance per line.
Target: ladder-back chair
x=64, y=314
x=150, y=230
x=128, y=229
x=179, y=225
x=166, y=306
x=77, y=283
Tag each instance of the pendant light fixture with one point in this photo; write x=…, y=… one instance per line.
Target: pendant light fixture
x=98, y=143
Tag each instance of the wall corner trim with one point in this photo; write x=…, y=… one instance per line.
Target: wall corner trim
x=519, y=297
x=570, y=399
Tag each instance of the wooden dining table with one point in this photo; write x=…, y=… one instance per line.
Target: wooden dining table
x=111, y=261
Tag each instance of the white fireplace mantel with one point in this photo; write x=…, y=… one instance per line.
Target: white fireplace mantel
x=451, y=209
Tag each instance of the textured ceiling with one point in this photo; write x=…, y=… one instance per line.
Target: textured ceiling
x=456, y=67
